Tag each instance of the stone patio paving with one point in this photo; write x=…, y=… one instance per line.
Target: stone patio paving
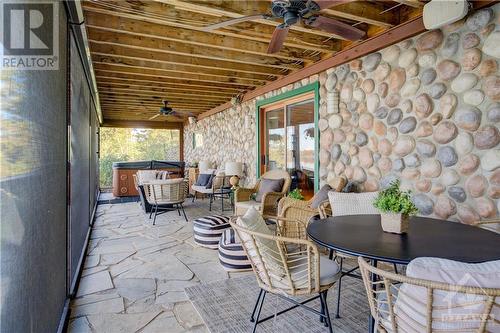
x=135, y=273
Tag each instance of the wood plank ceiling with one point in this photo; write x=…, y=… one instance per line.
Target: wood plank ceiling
x=144, y=52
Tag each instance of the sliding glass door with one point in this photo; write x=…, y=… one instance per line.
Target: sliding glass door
x=289, y=142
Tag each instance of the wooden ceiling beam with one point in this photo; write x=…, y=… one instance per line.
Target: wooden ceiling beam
x=168, y=79
x=411, y=3
x=154, y=103
x=183, y=49
x=198, y=38
x=169, y=94
x=224, y=10
x=366, y=12
x=197, y=64
x=151, y=68
x=159, y=124
x=168, y=15
x=170, y=83
x=165, y=89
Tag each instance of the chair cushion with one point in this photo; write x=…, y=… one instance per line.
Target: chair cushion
x=329, y=271
x=268, y=249
x=411, y=302
x=269, y=185
x=352, y=203
x=203, y=179
x=320, y=196
x=208, y=230
x=144, y=176
x=232, y=256
x=248, y=204
x=201, y=189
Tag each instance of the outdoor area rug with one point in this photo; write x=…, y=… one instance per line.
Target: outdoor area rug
x=226, y=306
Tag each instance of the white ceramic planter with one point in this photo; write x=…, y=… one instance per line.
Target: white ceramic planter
x=395, y=223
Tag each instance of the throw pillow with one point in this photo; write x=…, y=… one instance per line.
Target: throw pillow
x=353, y=203
x=203, y=179
x=320, y=196
x=269, y=185
x=210, y=181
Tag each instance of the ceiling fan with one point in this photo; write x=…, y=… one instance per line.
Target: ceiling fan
x=294, y=11
x=166, y=110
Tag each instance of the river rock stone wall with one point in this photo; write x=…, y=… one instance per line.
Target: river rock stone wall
x=425, y=111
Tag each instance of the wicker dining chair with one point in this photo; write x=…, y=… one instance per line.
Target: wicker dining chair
x=404, y=304
x=286, y=264
x=166, y=195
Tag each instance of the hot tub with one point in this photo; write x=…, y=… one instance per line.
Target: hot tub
x=123, y=181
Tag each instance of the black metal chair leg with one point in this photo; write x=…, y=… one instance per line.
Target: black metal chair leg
x=210, y=204
x=156, y=213
x=395, y=268
x=178, y=210
x=258, y=312
x=252, y=319
x=322, y=297
x=183, y=212
x=339, y=286
x=151, y=211
x=330, y=255
x=194, y=197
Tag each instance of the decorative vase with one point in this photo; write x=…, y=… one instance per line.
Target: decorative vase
x=396, y=223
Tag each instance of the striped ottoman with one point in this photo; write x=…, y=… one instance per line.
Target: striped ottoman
x=231, y=254
x=208, y=229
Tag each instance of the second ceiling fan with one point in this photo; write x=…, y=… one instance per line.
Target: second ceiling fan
x=294, y=11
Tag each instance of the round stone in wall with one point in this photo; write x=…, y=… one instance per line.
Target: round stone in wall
x=424, y=129
x=387, y=180
x=358, y=95
x=423, y=105
x=382, y=72
x=471, y=59
x=392, y=100
x=444, y=207
x=427, y=59
x=494, y=113
x=346, y=93
x=436, y=118
x=379, y=128
x=391, y=53
x=423, y=185
x=381, y=112
x=488, y=67
x=485, y=207
x=398, y=164
x=412, y=161
x=413, y=70
x=491, y=160
x=448, y=70
x=447, y=156
x=464, y=143
x=410, y=87
x=468, y=164
x=365, y=157
x=361, y=139
x=342, y=72
x=335, y=121
x=437, y=90
x=428, y=76
x=382, y=89
x=474, y=97
x=385, y=147
x=385, y=164
x=407, y=106
x=371, y=61
x=424, y=204
x=491, y=87
x=407, y=58
x=372, y=103
x=479, y=19
x=470, y=40
x=431, y=168
x=476, y=185
x=324, y=156
x=450, y=177
x=445, y=132
x=468, y=118
x=450, y=46
x=322, y=124
x=486, y=137
x=396, y=79
x=490, y=46
x=404, y=145
x=410, y=174
x=394, y=116
x=366, y=121
x=331, y=82
x=467, y=214
x=336, y=151
x=464, y=82
x=429, y=40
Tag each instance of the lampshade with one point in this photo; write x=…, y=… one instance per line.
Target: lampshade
x=204, y=165
x=234, y=169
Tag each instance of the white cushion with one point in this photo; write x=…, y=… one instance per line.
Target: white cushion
x=144, y=176
x=411, y=302
x=247, y=204
x=268, y=249
x=329, y=271
x=201, y=189
x=352, y=203
x=166, y=181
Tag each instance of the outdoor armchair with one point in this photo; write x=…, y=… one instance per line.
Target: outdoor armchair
x=166, y=195
x=285, y=263
x=219, y=188
x=268, y=205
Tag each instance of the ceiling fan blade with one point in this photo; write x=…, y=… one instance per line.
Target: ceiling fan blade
x=234, y=21
x=324, y=4
x=155, y=116
x=278, y=38
x=336, y=27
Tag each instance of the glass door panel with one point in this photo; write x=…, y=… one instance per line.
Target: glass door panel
x=275, y=139
x=300, y=146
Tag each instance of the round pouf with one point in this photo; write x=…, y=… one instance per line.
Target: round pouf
x=208, y=230
x=231, y=254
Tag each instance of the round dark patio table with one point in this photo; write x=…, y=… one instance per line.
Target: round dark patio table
x=362, y=235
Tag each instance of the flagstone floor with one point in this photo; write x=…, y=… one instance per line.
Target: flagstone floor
x=135, y=273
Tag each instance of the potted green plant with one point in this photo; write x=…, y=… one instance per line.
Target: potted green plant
x=395, y=208
x=296, y=194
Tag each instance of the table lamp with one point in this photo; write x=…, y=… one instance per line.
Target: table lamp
x=234, y=169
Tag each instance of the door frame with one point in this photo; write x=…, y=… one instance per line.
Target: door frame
x=276, y=101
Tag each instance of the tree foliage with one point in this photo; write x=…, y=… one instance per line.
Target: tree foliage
x=129, y=144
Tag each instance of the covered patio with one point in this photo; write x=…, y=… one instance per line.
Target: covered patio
x=335, y=168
